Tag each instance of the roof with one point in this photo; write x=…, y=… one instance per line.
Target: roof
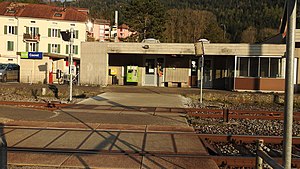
x=42, y=11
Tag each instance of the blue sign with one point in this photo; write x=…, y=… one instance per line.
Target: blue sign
x=31, y=55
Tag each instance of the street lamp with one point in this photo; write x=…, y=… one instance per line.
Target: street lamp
x=201, y=64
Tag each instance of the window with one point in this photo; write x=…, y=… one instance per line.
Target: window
x=10, y=46
x=259, y=67
x=243, y=66
x=10, y=30
x=150, y=65
x=275, y=67
x=32, y=47
x=75, y=49
x=53, y=32
x=33, y=31
x=53, y=48
x=76, y=34
x=58, y=15
x=264, y=67
x=254, y=67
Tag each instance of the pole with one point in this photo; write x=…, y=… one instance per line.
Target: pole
x=201, y=74
x=201, y=79
x=71, y=63
x=289, y=85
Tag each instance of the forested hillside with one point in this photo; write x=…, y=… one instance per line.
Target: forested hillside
x=186, y=21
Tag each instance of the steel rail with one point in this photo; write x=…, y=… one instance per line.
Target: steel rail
x=246, y=138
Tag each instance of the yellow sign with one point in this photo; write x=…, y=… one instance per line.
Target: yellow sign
x=113, y=71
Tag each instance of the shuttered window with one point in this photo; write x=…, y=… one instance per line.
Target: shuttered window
x=10, y=46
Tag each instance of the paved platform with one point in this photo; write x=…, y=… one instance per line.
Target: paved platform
x=137, y=99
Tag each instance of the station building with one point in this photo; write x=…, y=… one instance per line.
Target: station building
x=227, y=66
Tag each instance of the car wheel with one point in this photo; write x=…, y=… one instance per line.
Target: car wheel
x=4, y=78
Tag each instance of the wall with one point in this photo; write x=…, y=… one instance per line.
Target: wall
x=9, y=59
x=94, y=64
x=259, y=84
x=35, y=71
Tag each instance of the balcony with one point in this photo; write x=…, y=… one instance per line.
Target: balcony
x=31, y=38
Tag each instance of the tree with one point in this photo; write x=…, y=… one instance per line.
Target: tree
x=146, y=17
x=187, y=26
x=249, y=35
x=266, y=33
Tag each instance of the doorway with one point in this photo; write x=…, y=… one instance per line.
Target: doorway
x=207, y=73
x=154, y=68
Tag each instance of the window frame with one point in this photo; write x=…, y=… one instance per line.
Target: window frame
x=255, y=62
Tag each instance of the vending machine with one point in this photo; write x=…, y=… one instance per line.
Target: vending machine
x=132, y=74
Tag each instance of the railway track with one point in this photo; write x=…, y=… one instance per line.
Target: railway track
x=212, y=142
x=192, y=112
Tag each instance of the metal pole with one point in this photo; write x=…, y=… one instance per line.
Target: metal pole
x=289, y=85
x=71, y=63
x=201, y=79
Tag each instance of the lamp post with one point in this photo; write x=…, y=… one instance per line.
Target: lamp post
x=201, y=64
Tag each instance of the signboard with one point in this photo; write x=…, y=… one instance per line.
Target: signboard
x=31, y=55
x=72, y=70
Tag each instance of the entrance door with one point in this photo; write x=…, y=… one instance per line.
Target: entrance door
x=207, y=73
x=154, y=71
x=150, y=72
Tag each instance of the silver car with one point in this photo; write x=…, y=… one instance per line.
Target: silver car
x=9, y=72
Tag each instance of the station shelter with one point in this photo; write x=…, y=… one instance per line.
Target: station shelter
x=226, y=66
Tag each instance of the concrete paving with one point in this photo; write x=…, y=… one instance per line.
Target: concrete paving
x=105, y=148
x=137, y=99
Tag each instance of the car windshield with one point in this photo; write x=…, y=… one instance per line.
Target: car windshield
x=3, y=66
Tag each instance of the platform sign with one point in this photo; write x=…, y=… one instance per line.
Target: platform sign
x=31, y=55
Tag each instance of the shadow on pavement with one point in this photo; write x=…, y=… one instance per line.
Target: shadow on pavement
x=107, y=140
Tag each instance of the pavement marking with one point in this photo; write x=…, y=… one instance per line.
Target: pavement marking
x=55, y=114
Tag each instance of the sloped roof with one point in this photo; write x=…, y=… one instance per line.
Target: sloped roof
x=42, y=11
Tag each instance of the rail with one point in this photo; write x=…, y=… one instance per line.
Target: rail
x=262, y=155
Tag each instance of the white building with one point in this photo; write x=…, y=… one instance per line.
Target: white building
x=36, y=28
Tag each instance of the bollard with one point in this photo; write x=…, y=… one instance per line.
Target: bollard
x=259, y=160
x=3, y=153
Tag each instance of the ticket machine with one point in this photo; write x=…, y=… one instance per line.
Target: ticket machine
x=132, y=74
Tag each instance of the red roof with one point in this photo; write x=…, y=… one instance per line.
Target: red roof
x=42, y=11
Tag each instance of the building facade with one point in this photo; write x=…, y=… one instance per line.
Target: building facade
x=36, y=28
x=238, y=67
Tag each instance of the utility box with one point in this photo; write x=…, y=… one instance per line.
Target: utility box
x=132, y=74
